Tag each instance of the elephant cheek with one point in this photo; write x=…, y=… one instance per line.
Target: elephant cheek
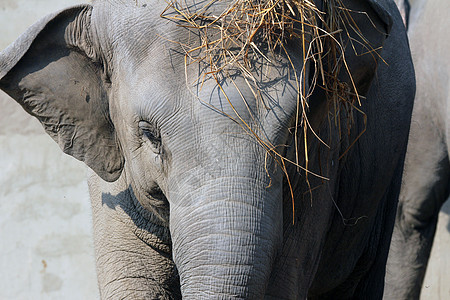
x=225, y=236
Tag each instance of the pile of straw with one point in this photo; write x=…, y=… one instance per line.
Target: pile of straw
x=261, y=28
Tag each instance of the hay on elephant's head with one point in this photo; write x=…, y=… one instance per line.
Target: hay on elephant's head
x=256, y=28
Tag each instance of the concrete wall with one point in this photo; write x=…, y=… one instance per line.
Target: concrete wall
x=46, y=248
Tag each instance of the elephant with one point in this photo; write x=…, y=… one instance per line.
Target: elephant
x=425, y=186
x=202, y=185
x=404, y=7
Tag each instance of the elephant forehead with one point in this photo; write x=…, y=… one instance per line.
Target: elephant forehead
x=214, y=108
x=161, y=85
x=153, y=76
x=129, y=30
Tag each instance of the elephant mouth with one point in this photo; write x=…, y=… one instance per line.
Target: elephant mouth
x=152, y=205
x=158, y=196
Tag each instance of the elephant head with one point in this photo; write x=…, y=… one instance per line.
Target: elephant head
x=110, y=86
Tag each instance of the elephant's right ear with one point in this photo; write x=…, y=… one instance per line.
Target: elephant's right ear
x=54, y=71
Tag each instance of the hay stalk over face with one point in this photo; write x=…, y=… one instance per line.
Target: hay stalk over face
x=248, y=30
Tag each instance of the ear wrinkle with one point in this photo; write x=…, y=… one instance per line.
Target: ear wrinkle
x=79, y=35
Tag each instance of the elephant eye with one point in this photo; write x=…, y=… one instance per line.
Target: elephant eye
x=150, y=132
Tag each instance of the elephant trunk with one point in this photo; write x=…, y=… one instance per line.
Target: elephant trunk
x=225, y=235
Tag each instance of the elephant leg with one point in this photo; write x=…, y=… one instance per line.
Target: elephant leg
x=424, y=190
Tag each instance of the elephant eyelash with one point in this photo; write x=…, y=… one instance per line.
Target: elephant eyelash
x=150, y=132
x=152, y=136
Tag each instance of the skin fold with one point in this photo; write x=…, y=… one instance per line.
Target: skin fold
x=426, y=176
x=185, y=201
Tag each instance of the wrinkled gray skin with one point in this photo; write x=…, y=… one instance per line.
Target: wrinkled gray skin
x=426, y=177
x=184, y=202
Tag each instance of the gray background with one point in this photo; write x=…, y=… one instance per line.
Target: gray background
x=46, y=249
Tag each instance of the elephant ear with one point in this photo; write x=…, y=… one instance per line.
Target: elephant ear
x=54, y=72
x=369, y=25
x=380, y=7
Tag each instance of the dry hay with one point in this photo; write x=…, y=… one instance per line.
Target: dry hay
x=236, y=36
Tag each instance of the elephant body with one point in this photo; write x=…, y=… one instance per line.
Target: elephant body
x=185, y=201
x=404, y=7
x=426, y=177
